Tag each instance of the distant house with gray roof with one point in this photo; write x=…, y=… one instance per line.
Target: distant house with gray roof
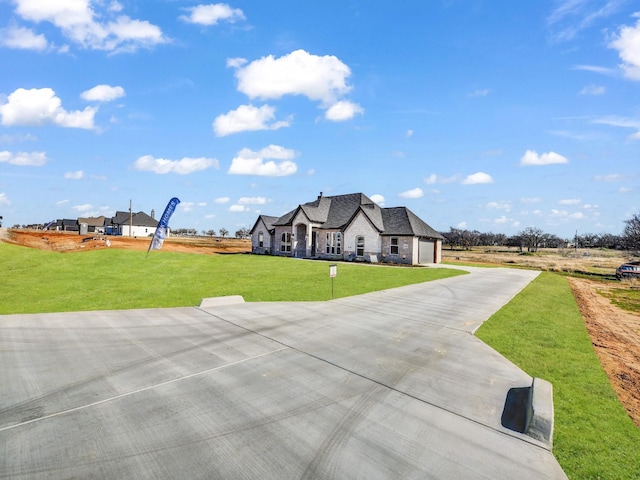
x=131, y=224
x=348, y=227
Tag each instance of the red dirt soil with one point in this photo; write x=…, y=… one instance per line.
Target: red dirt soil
x=72, y=242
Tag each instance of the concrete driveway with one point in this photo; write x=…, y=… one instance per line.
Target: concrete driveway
x=385, y=385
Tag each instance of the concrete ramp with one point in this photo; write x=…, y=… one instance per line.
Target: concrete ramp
x=380, y=386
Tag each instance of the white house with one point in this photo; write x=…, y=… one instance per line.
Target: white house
x=348, y=227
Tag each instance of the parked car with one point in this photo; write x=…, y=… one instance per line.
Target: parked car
x=628, y=270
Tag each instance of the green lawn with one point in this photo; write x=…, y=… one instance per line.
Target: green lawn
x=40, y=281
x=541, y=330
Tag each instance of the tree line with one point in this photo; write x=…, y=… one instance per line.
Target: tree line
x=532, y=238
x=223, y=232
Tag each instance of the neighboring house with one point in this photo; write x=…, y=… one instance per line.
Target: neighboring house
x=93, y=224
x=131, y=224
x=348, y=227
x=66, y=225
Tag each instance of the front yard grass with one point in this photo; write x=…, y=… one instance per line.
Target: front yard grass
x=36, y=281
x=542, y=331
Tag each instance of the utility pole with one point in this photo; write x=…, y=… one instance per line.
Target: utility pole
x=130, y=219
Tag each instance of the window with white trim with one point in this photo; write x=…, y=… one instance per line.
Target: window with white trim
x=285, y=242
x=360, y=246
x=260, y=239
x=394, y=250
x=334, y=243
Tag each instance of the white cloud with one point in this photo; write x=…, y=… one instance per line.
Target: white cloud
x=184, y=166
x=318, y=78
x=596, y=69
x=212, y=14
x=40, y=106
x=102, y=93
x=247, y=118
x=17, y=138
x=569, y=17
x=501, y=205
x=238, y=208
x=623, y=122
x=222, y=200
x=186, y=206
x=83, y=209
x=77, y=175
x=570, y=201
x=480, y=93
x=262, y=162
x=433, y=179
x=343, y=110
x=563, y=214
x=77, y=21
x=612, y=177
x=379, y=199
x=24, y=159
x=252, y=200
x=501, y=220
x=593, y=90
x=530, y=200
x=477, y=178
x=236, y=62
x=22, y=38
x=414, y=193
x=4, y=200
x=532, y=158
x=627, y=43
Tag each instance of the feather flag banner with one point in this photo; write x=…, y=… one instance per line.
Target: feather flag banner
x=163, y=225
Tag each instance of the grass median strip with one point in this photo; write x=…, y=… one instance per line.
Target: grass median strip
x=36, y=281
x=542, y=331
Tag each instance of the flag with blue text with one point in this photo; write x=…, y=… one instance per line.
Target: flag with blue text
x=163, y=225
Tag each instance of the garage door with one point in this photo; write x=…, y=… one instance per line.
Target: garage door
x=426, y=253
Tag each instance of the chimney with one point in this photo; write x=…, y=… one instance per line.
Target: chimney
x=320, y=196
x=153, y=214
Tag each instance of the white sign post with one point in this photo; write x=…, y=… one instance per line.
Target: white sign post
x=333, y=272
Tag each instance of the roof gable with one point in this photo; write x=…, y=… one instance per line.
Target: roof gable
x=266, y=220
x=402, y=221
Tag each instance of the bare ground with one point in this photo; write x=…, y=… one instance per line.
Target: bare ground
x=615, y=333
x=73, y=242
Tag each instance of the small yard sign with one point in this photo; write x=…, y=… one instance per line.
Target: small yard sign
x=333, y=272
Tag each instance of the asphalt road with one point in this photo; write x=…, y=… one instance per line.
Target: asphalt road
x=386, y=385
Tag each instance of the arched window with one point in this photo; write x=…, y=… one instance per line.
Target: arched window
x=360, y=246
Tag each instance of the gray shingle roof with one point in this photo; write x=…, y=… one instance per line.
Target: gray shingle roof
x=402, y=221
x=140, y=219
x=336, y=212
x=268, y=221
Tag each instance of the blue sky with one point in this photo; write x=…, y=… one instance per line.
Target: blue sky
x=483, y=115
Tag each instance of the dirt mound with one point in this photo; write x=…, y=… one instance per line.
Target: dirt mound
x=72, y=242
x=615, y=335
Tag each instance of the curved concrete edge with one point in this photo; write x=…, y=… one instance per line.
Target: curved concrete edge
x=540, y=424
x=219, y=301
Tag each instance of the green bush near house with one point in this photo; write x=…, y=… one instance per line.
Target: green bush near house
x=542, y=331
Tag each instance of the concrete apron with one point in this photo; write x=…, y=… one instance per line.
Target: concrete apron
x=390, y=384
